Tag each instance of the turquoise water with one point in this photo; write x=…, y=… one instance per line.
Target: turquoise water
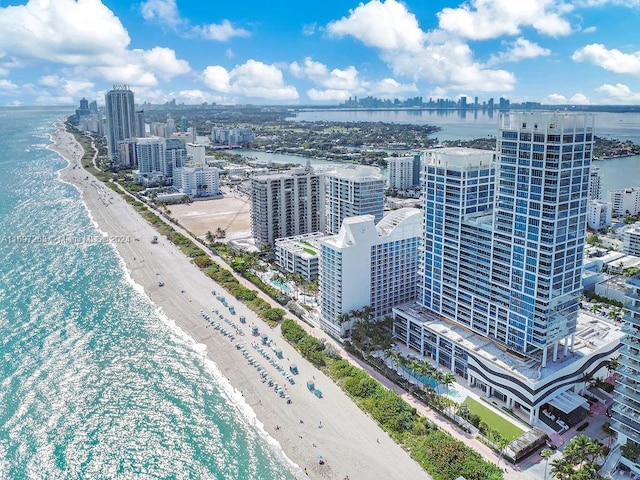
x=279, y=284
x=94, y=382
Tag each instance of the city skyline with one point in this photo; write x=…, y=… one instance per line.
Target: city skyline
x=574, y=52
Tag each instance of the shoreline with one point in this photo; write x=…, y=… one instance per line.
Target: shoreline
x=333, y=428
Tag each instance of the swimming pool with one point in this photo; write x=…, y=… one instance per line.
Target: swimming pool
x=281, y=285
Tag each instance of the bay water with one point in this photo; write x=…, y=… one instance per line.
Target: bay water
x=95, y=382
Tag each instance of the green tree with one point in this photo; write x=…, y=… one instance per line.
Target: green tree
x=561, y=469
x=447, y=380
x=613, y=364
x=545, y=455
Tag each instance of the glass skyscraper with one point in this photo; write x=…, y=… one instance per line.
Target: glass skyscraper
x=501, y=259
x=120, y=116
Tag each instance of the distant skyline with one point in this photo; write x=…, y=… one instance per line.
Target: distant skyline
x=53, y=52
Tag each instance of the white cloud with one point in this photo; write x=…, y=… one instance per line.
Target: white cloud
x=389, y=87
x=339, y=84
x=138, y=68
x=555, y=99
x=7, y=86
x=437, y=56
x=520, y=49
x=85, y=35
x=252, y=79
x=127, y=73
x=600, y=3
x=327, y=95
x=220, y=32
x=385, y=25
x=484, y=19
x=62, y=31
x=164, y=12
x=450, y=65
x=591, y=29
x=579, y=99
x=217, y=78
x=63, y=85
x=618, y=94
x=613, y=60
x=310, y=69
x=162, y=61
x=309, y=29
x=191, y=97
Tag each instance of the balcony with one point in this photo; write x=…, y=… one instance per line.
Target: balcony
x=632, y=293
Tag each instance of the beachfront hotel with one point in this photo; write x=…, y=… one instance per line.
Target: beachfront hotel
x=350, y=191
x=368, y=265
x=120, y=116
x=286, y=204
x=626, y=410
x=197, y=180
x=500, y=270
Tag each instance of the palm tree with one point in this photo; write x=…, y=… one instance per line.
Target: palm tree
x=415, y=366
x=613, y=364
x=447, y=380
x=587, y=377
x=209, y=236
x=399, y=361
x=582, y=449
x=546, y=454
x=561, y=469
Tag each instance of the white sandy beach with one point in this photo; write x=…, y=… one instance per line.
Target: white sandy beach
x=351, y=443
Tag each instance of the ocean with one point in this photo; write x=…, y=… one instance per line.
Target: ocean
x=95, y=382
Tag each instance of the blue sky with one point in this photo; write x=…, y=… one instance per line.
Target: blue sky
x=289, y=52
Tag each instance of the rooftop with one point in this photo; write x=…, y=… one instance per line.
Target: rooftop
x=592, y=334
x=459, y=157
x=390, y=221
x=302, y=245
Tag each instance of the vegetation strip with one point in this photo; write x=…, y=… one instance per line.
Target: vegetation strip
x=442, y=456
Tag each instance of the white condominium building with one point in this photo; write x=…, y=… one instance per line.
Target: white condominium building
x=368, y=265
x=286, y=204
x=598, y=214
x=151, y=154
x=404, y=172
x=505, y=268
x=631, y=239
x=299, y=255
x=196, y=152
x=197, y=180
x=350, y=191
x=625, y=200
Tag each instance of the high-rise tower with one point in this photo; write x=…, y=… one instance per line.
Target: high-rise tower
x=500, y=275
x=286, y=204
x=539, y=227
x=351, y=191
x=120, y=119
